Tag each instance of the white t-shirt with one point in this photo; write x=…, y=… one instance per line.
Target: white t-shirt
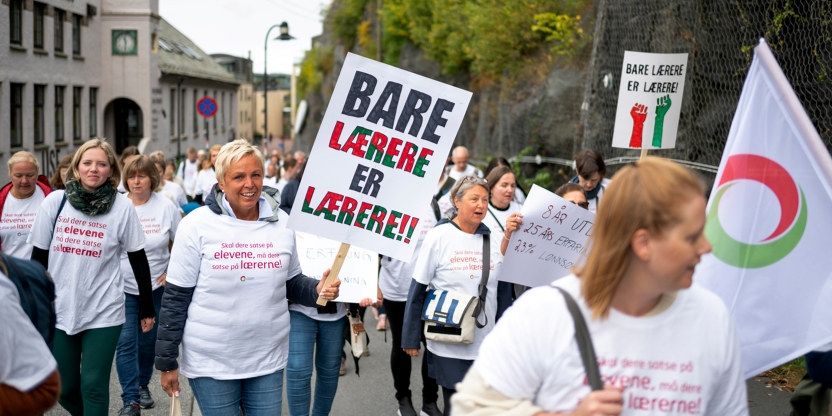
x=316, y=270
x=84, y=260
x=280, y=184
x=271, y=182
x=159, y=219
x=470, y=170
x=451, y=259
x=496, y=218
x=187, y=173
x=683, y=360
x=395, y=275
x=174, y=193
x=205, y=180
x=25, y=360
x=16, y=224
x=238, y=319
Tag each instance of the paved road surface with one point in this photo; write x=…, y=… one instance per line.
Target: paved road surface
x=372, y=393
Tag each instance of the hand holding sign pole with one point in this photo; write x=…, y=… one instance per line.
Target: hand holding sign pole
x=335, y=270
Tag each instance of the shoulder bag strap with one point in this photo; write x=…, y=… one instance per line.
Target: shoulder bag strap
x=60, y=208
x=584, y=342
x=483, y=288
x=503, y=229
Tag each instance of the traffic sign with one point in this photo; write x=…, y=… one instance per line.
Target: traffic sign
x=207, y=107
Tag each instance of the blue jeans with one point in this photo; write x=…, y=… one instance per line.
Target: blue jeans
x=256, y=396
x=305, y=334
x=135, y=349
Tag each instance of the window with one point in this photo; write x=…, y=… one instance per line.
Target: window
x=76, y=112
x=40, y=94
x=59, y=113
x=16, y=22
x=93, y=112
x=16, y=113
x=195, y=119
x=37, y=30
x=76, y=34
x=58, y=31
x=172, y=112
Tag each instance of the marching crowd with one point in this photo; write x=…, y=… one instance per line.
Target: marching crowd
x=191, y=270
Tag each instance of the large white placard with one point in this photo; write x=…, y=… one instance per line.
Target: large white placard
x=359, y=274
x=649, y=100
x=553, y=237
x=377, y=157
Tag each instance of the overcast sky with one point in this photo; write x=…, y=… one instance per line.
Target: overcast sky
x=238, y=26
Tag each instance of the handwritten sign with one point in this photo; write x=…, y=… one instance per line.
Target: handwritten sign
x=553, y=237
x=377, y=157
x=359, y=274
x=649, y=100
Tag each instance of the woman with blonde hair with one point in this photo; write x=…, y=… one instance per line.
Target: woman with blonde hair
x=78, y=236
x=233, y=269
x=663, y=347
x=19, y=203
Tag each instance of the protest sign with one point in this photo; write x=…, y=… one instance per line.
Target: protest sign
x=377, y=157
x=359, y=273
x=649, y=100
x=552, y=238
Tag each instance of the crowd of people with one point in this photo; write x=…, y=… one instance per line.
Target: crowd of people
x=189, y=269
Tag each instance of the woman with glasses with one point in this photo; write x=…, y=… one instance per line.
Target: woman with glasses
x=452, y=259
x=662, y=346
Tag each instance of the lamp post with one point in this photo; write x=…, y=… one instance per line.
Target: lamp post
x=284, y=35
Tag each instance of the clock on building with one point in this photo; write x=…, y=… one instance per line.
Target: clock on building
x=124, y=42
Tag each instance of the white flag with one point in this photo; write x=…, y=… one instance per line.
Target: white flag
x=770, y=222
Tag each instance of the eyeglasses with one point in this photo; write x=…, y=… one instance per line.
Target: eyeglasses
x=584, y=205
x=475, y=180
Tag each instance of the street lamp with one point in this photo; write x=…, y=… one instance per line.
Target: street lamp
x=284, y=35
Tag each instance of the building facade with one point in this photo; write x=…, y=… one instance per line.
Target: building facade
x=241, y=68
x=50, y=78
x=279, y=105
x=70, y=71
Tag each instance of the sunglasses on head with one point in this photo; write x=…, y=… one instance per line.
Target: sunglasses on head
x=584, y=205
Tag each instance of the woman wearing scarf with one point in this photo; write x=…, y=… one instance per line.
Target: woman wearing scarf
x=78, y=236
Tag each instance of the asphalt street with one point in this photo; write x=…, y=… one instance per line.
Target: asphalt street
x=372, y=393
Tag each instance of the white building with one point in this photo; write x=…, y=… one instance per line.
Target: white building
x=111, y=68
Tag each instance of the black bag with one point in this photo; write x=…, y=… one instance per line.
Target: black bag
x=37, y=293
x=585, y=346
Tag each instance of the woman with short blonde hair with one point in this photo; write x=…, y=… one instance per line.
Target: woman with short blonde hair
x=651, y=330
x=240, y=290
x=19, y=202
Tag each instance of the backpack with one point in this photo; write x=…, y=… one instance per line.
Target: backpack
x=37, y=293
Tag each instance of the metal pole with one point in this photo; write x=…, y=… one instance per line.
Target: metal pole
x=179, y=121
x=266, y=83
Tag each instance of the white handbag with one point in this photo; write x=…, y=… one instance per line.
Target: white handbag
x=453, y=317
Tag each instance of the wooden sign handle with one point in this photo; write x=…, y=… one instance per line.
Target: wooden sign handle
x=643, y=153
x=336, y=269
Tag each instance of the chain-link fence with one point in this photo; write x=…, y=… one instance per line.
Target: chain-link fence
x=719, y=37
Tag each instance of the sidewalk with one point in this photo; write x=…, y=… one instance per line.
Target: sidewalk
x=767, y=401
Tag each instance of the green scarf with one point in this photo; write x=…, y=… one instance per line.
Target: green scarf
x=92, y=203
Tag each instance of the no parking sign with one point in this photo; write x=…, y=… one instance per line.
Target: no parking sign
x=207, y=107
